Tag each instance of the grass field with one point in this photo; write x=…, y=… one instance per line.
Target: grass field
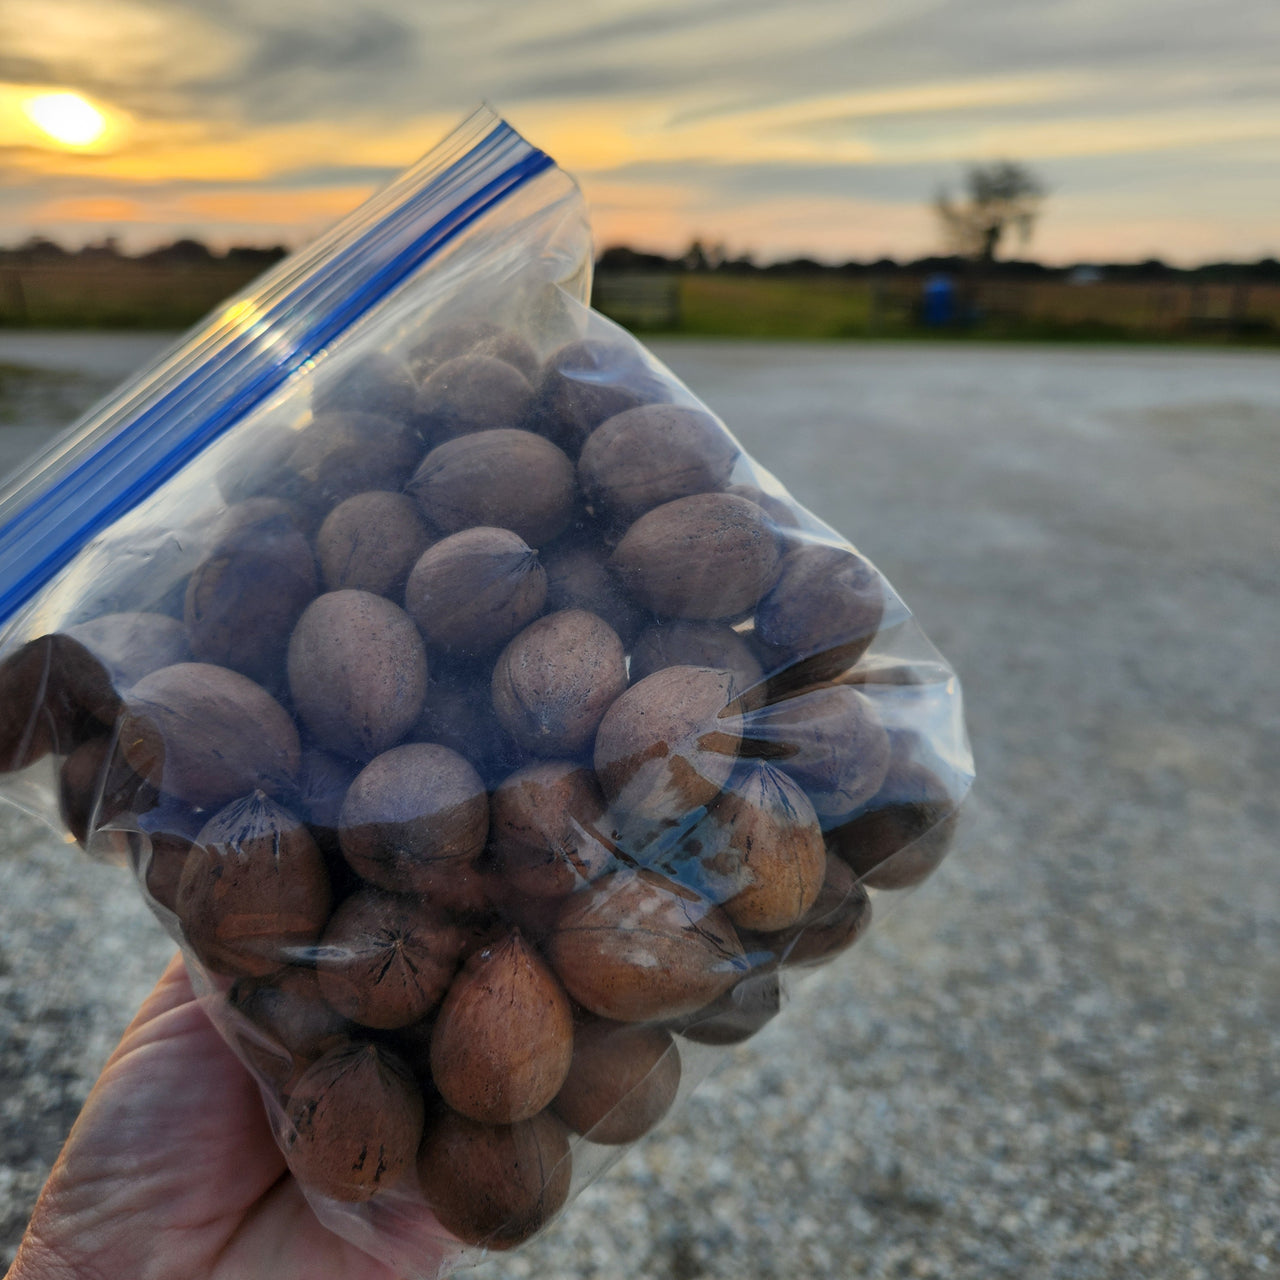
x=750, y=307
x=820, y=307
x=115, y=295
x=815, y=306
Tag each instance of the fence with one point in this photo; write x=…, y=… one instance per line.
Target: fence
x=816, y=305
x=1167, y=308
x=116, y=293
x=1170, y=309
x=639, y=301
x=829, y=305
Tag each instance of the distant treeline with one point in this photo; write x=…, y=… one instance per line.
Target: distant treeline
x=705, y=291
x=38, y=251
x=698, y=258
x=44, y=284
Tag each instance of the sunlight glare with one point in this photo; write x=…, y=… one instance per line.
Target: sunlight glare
x=66, y=117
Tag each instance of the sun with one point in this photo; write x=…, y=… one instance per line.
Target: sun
x=66, y=117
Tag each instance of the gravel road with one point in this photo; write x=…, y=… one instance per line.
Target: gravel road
x=1058, y=1059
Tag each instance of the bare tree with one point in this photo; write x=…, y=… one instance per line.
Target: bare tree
x=704, y=257
x=998, y=198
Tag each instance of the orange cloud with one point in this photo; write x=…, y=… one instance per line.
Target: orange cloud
x=664, y=219
x=276, y=208
x=114, y=209
x=197, y=151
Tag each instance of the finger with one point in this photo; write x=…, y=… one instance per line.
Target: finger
x=172, y=991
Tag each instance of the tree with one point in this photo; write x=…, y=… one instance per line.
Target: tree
x=38, y=249
x=185, y=252
x=703, y=257
x=620, y=257
x=998, y=198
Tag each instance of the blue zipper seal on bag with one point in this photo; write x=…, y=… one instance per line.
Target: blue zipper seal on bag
x=130, y=445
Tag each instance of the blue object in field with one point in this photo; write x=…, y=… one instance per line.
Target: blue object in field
x=939, y=300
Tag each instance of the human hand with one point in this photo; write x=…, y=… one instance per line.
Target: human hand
x=171, y=1171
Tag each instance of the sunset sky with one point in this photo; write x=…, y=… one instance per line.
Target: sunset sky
x=821, y=127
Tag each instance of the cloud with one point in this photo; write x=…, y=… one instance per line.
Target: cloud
x=697, y=110
x=307, y=59
x=296, y=69
x=752, y=181
x=141, y=57
x=642, y=23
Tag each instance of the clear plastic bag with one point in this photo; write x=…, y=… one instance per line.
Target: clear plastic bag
x=498, y=741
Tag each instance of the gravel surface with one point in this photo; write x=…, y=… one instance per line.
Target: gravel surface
x=1058, y=1058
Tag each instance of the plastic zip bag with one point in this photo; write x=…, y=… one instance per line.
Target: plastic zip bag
x=431, y=653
